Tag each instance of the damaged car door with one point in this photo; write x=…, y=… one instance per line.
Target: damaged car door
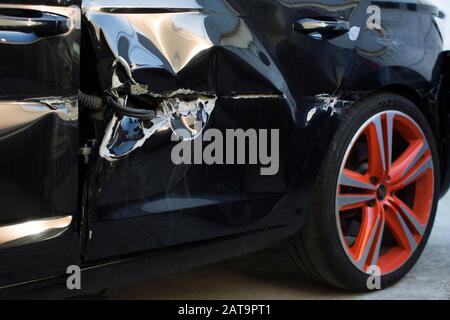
x=230, y=65
x=39, y=61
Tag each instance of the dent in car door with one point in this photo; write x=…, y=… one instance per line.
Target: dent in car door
x=256, y=70
x=39, y=61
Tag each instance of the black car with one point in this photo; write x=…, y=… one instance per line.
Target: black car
x=339, y=109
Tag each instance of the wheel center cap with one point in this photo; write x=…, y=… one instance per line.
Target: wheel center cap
x=381, y=193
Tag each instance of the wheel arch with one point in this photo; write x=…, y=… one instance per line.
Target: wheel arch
x=424, y=103
x=443, y=95
x=435, y=107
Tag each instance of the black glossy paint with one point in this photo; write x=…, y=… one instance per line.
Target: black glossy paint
x=264, y=74
x=39, y=146
x=244, y=48
x=252, y=60
x=38, y=68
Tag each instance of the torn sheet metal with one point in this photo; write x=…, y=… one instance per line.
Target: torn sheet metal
x=324, y=104
x=125, y=134
x=329, y=102
x=150, y=50
x=181, y=110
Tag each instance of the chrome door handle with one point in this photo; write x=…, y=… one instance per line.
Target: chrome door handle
x=31, y=24
x=310, y=25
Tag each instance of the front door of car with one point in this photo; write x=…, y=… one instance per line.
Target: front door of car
x=252, y=64
x=39, y=61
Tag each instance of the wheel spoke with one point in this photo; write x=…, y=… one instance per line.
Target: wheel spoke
x=410, y=216
x=400, y=229
x=353, y=201
x=418, y=153
x=377, y=247
x=390, y=136
x=377, y=152
x=353, y=179
x=402, y=168
x=417, y=172
x=369, y=239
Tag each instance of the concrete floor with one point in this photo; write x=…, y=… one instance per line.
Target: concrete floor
x=269, y=275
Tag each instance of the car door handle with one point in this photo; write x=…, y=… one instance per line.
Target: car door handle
x=38, y=23
x=311, y=25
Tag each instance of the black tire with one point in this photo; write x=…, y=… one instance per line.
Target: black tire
x=317, y=250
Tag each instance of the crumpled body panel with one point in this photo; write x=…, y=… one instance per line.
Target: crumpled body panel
x=181, y=47
x=260, y=72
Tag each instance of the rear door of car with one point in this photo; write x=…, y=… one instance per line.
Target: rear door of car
x=39, y=62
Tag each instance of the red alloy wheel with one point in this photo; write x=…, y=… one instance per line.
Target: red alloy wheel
x=385, y=192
